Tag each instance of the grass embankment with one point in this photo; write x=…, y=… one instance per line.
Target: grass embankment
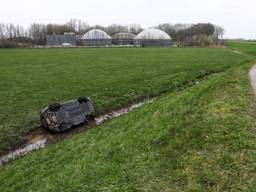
x=30, y=79
x=199, y=139
x=245, y=47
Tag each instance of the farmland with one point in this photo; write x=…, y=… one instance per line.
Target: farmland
x=197, y=138
x=30, y=79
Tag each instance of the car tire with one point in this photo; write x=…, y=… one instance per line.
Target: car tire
x=82, y=99
x=54, y=107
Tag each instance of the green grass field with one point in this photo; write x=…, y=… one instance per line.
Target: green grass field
x=30, y=79
x=201, y=138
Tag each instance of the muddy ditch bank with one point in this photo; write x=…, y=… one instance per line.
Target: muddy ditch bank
x=42, y=138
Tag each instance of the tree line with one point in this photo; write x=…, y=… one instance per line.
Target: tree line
x=202, y=34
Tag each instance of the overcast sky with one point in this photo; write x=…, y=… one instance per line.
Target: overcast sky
x=238, y=17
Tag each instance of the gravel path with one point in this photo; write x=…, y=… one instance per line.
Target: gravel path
x=253, y=78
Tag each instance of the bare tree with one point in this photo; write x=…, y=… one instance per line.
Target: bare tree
x=83, y=27
x=219, y=32
x=135, y=28
x=116, y=28
x=38, y=33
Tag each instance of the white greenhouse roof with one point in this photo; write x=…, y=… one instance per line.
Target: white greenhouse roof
x=96, y=34
x=124, y=36
x=152, y=34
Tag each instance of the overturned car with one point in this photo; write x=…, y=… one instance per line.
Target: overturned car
x=60, y=117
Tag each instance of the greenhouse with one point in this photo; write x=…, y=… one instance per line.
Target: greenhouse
x=96, y=37
x=152, y=37
x=123, y=39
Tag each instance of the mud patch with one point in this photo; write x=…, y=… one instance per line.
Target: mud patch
x=120, y=112
x=238, y=52
x=22, y=152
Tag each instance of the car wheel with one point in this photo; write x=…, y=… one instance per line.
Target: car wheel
x=54, y=107
x=82, y=99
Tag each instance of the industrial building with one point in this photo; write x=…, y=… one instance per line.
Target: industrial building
x=123, y=39
x=96, y=37
x=152, y=37
x=61, y=40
